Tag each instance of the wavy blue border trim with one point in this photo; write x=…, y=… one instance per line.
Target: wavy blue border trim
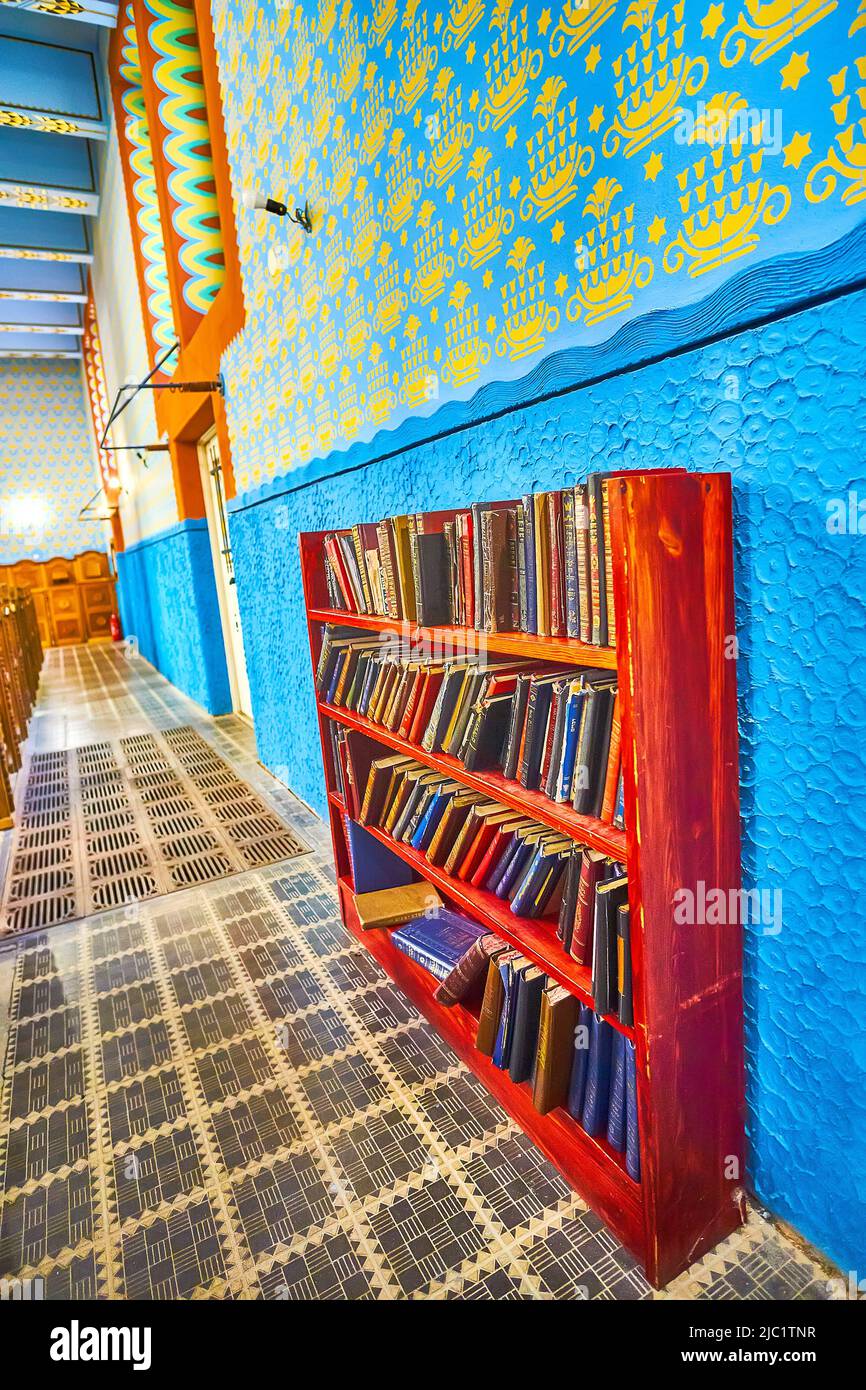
x=785, y=284
x=191, y=523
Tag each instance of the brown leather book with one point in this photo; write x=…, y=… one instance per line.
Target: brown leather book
x=377, y=785
x=491, y=1005
x=591, y=871
x=469, y=974
x=555, y=1053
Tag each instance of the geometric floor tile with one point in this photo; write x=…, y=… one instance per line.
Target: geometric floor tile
x=221, y=1095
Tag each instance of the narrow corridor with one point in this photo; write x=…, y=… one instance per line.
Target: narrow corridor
x=218, y=1093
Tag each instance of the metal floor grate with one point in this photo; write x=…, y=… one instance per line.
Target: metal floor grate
x=116, y=822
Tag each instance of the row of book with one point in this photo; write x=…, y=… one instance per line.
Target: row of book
x=551, y=730
x=531, y=1026
x=541, y=1033
x=541, y=563
x=467, y=834
x=481, y=842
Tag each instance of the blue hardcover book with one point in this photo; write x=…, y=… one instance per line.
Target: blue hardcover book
x=550, y=881
x=577, y=1083
x=335, y=679
x=616, y=1099
x=443, y=936
x=569, y=747
x=509, y=973
x=528, y=883
x=529, y=545
x=594, y=1117
x=632, y=1137
x=516, y=865
x=492, y=881
x=429, y=821
x=374, y=866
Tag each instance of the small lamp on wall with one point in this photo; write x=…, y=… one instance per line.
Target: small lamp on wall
x=255, y=200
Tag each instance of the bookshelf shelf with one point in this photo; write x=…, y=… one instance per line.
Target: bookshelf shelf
x=588, y=1162
x=672, y=562
x=537, y=939
x=562, y=650
x=586, y=829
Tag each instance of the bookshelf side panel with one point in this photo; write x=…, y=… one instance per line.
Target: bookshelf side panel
x=676, y=609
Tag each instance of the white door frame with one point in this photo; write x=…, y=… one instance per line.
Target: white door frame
x=223, y=567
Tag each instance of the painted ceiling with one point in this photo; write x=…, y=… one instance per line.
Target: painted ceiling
x=53, y=123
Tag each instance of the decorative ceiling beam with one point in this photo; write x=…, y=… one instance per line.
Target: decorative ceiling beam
x=102, y=12
x=46, y=253
x=24, y=118
x=45, y=296
x=28, y=195
x=72, y=330
x=34, y=352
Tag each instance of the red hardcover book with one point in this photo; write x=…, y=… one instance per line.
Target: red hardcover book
x=412, y=702
x=472, y=858
x=425, y=706
x=338, y=565
x=466, y=569
x=498, y=845
x=554, y=523
x=591, y=871
x=614, y=761
x=547, y=754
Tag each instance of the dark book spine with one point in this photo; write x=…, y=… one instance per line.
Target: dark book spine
x=518, y=712
x=569, y=899
x=616, y=1099
x=416, y=575
x=625, y=1006
x=597, y=561
x=521, y=570
x=632, y=1137
x=531, y=716
x=528, y=508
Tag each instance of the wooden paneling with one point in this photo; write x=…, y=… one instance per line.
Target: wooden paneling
x=73, y=598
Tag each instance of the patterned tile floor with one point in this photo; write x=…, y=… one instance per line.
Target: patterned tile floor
x=219, y=1094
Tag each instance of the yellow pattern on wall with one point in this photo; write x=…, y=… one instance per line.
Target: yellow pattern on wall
x=491, y=180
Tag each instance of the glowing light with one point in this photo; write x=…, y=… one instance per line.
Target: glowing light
x=25, y=514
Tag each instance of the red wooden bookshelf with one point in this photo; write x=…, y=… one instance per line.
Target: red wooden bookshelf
x=671, y=538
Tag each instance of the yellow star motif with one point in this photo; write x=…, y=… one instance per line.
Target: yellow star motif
x=421, y=159
x=437, y=354
x=795, y=70
x=797, y=149
x=453, y=236
x=511, y=136
x=514, y=186
x=653, y=166
x=490, y=324
x=593, y=58
x=544, y=22
x=712, y=21
x=392, y=90
x=557, y=232
x=596, y=118
x=656, y=229
x=487, y=279
x=560, y=284
x=470, y=52
x=473, y=101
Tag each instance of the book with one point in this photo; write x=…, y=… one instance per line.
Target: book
x=593, y=1117
x=438, y=940
x=625, y=1005
x=591, y=869
x=373, y=866
x=616, y=1096
x=527, y=1015
x=580, y=1061
x=609, y=896
x=491, y=1005
x=466, y=979
x=552, y=1071
x=389, y=906
x=432, y=578
x=510, y=970
x=632, y=1137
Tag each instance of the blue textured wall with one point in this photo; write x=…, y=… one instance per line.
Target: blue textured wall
x=781, y=407
x=168, y=600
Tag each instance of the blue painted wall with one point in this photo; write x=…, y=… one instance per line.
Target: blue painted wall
x=781, y=407
x=168, y=600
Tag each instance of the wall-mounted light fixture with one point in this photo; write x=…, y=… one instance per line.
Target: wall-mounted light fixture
x=255, y=200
